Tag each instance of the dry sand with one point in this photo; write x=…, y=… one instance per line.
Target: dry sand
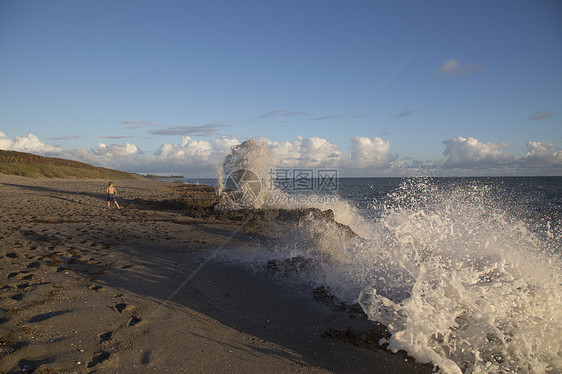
x=84, y=288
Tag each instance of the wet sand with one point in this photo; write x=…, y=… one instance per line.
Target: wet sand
x=84, y=288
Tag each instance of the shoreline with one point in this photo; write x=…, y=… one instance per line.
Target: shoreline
x=92, y=289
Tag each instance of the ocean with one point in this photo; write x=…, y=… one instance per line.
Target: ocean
x=466, y=273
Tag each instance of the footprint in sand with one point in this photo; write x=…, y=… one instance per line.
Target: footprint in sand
x=99, y=358
x=106, y=336
x=97, y=288
x=29, y=366
x=17, y=297
x=23, y=286
x=146, y=358
x=133, y=321
x=120, y=307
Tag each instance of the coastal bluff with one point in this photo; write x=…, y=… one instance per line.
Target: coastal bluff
x=35, y=166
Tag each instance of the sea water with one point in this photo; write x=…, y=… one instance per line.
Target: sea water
x=466, y=273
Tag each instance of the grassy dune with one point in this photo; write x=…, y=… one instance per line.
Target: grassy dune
x=34, y=166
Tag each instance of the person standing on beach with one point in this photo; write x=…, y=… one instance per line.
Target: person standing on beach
x=111, y=191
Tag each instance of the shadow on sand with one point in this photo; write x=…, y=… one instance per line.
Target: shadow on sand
x=255, y=303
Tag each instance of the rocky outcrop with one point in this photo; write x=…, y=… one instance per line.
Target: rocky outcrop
x=266, y=222
x=200, y=201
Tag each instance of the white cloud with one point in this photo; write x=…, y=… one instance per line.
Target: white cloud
x=108, y=155
x=305, y=152
x=117, y=150
x=453, y=67
x=200, y=156
x=29, y=143
x=365, y=156
x=466, y=153
x=188, y=151
x=5, y=142
x=364, y=153
x=542, y=155
x=369, y=152
x=222, y=145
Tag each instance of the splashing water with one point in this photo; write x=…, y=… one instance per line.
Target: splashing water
x=458, y=280
x=242, y=180
x=453, y=271
x=484, y=295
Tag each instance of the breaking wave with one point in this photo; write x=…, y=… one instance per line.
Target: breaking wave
x=456, y=274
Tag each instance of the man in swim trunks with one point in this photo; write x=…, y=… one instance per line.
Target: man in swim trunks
x=111, y=191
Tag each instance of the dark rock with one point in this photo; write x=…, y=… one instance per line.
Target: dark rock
x=325, y=295
x=290, y=265
x=263, y=221
x=363, y=339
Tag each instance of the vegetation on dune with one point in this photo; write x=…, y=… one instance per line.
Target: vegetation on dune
x=34, y=166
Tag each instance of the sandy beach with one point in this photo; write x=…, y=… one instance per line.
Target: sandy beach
x=84, y=288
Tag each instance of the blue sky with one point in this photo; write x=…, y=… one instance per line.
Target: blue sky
x=389, y=88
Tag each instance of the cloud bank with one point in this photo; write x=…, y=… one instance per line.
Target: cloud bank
x=29, y=143
x=466, y=153
x=365, y=156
